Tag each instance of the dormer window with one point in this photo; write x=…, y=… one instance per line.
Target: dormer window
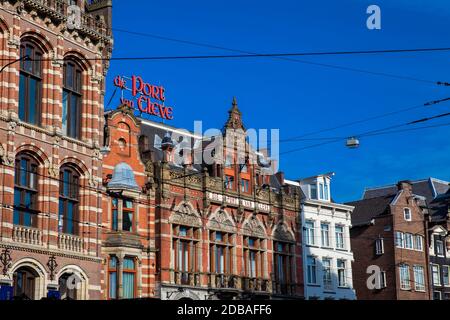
x=324, y=191
x=313, y=191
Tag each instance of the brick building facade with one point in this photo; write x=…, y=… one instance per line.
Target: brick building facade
x=51, y=111
x=389, y=232
x=194, y=230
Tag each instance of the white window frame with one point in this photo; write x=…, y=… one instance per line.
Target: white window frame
x=405, y=284
x=440, y=295
x=438, y=282
x=418, y=239
x=419, y=286
x=436, y=244
x=311, y=267
x=338, y=238
x=383, y=281
x=322, y=238
x=344, y=270
x=444, y=282
x=399, y=242
x=409, y=245
x=321, y=191
x=316, y=191
x=379, y=246
x=407, y=210
x=310, y=233
x=327, y=283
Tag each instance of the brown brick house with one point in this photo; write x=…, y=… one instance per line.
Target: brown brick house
x=390, y=232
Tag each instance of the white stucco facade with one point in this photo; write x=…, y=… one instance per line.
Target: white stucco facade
x=327, y=255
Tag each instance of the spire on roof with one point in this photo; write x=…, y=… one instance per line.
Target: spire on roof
x=234, y=117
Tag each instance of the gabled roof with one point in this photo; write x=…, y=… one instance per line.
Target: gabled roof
x=428, y=188
x=439, y=207
x=368, y=209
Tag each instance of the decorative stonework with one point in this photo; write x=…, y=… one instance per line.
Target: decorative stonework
x=253, y=228
x=282, y=233
x=53, y=170
x=221, y=221
x=185, y=215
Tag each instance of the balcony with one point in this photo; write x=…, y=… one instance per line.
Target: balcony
x=286, y=289
x=57, y=9
x=67, y=242
x=223, y=281
x=186, y=278
x=255, y=285
x=27, y=235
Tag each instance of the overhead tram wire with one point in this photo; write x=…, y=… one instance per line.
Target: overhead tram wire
x=376, y=132
x=380, y=116
x=326, y=65
x=258, y=55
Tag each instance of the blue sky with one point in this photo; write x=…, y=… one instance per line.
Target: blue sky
x=300, y=98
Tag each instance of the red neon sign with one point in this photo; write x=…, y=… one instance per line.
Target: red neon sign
x=150, y=98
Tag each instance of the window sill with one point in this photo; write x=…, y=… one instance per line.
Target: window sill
x=313, y=285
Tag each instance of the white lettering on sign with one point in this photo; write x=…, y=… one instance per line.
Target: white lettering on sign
x=235, y=201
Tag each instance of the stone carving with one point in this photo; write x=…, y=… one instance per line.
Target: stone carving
x=9, y=159
x=253, y=227
x=185, y=216
x=12, y=125
x=282, y=233
x=91, y=180
x=53, y=170
x=220, y=221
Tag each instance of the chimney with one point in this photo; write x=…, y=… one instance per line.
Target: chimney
x=404, y=185
x=280, y=177
x=167, y=147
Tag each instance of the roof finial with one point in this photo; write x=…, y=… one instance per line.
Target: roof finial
x=234, y=103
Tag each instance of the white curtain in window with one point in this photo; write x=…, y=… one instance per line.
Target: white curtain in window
x=128, y=285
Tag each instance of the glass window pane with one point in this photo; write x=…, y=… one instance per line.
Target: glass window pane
x=24, y=173
x=66, y=183
x=128, y=204
x=28, y=65
x=115, y=222
x=16, y=217
x=22, y=90
x=32, y=100
x=128, y=285
x=127, y=222
x=113, y=285
x=65, y=112
x=27, y=219
x=61, y=216
x=73, y=116
x=69, y=76
x=128, y=264
x=113, y=262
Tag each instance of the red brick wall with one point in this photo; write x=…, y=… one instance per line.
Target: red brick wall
x=48, y=146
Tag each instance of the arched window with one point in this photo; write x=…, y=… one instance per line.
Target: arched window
x=24, y=280
x=30, y=86
x=25, y=191
x=68, y=201
x=71, y=113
